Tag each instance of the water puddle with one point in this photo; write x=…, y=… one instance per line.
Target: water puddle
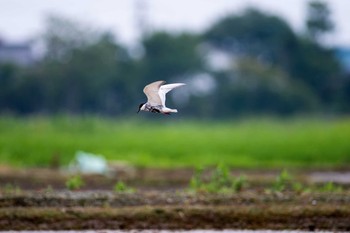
x=337, y=177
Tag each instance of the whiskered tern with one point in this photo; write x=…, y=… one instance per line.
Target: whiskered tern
x=155, y=93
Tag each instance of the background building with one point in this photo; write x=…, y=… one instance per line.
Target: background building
x=16, y=53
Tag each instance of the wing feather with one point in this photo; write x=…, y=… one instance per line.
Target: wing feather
x=165, y=89
x=151, y=91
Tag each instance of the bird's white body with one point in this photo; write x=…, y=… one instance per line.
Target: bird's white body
x=156, y=96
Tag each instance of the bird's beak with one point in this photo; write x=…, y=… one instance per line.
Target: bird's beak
x=138, y=111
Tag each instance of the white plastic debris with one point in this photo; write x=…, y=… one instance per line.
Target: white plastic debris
x=88, y=163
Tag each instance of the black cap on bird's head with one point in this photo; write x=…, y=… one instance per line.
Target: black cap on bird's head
x=140, y=106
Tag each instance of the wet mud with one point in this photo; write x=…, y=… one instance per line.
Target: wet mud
x=162, y=201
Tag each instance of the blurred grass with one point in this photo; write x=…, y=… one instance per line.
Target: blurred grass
x=250, y=143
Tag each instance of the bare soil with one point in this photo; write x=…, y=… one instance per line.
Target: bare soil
x=162, y=201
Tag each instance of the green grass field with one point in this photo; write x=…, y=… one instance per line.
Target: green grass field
x=265, y=143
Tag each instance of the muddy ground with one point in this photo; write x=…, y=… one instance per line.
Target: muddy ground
x=37, y=199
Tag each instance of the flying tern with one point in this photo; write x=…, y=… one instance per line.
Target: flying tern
x=155, y=93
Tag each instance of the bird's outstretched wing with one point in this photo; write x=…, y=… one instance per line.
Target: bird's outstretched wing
x=165, y=89
x=151, y=91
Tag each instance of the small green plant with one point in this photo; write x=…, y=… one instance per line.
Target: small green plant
x=221, y=177
x=74, y=183
x=239, y=183
x=11, y=189
x=220, y=181
x=196, y=182
x=331, y=187
x=121, y=187
x=48, y=189
x=298, y=187
x=283, y=181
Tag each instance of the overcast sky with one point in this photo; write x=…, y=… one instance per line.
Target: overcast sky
x=21, y=19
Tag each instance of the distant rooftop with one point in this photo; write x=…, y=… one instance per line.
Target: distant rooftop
x=19, y=53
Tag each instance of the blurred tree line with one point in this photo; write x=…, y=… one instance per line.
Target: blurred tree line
x=248, y=63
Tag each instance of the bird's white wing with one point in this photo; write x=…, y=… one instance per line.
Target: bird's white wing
x=166, y=88
x=151, y=91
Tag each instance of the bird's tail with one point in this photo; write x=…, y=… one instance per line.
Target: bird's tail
x=169, y=110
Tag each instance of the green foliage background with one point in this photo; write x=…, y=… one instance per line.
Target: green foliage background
x=271, y=69
x=246, y=143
